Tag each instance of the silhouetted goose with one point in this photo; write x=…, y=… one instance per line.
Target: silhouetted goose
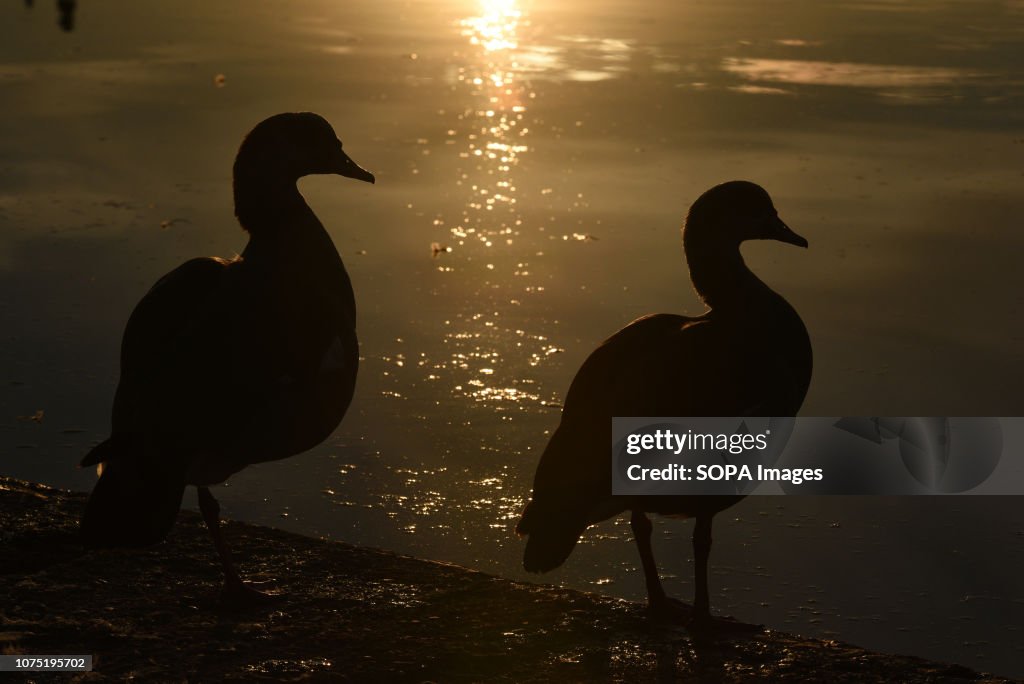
x=225, y=363
x=748, y=355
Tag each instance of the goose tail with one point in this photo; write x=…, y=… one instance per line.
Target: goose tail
x=131, y=505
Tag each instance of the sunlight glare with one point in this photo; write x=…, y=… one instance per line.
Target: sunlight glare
x=495, y=28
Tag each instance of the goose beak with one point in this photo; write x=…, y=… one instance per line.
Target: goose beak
x=778, y=230
x=348, y=168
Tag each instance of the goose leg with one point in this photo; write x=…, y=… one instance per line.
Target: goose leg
x=235, y=591
x=657, y=600
x=701, y=551
x=702, y=620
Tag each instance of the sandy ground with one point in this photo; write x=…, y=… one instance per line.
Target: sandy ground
x=356, y=614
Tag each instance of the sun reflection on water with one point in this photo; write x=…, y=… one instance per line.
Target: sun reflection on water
x=486, y=349
x=495, y=28
x=494, y=128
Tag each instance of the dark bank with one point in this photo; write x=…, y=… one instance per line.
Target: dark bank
x=359, y=614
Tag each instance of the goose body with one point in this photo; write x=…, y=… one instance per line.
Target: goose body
x=748, y=355
x=230, y=362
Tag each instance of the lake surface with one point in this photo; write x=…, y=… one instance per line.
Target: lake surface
x=534, y=163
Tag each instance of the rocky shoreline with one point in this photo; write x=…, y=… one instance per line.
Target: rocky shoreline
x=356, y=614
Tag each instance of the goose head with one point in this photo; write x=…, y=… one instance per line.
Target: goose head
x=292, y=145
x=281, y=150
x=733, y=212
x=721, y=219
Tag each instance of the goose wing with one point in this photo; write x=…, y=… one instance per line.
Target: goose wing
x=138, y=495
x=175, y=354
x=176, y=349
x=659, y=365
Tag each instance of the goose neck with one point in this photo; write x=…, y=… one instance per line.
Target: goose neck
x=720, y=276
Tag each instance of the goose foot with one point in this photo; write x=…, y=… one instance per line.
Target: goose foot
x=674, y=611
x=667, y=609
